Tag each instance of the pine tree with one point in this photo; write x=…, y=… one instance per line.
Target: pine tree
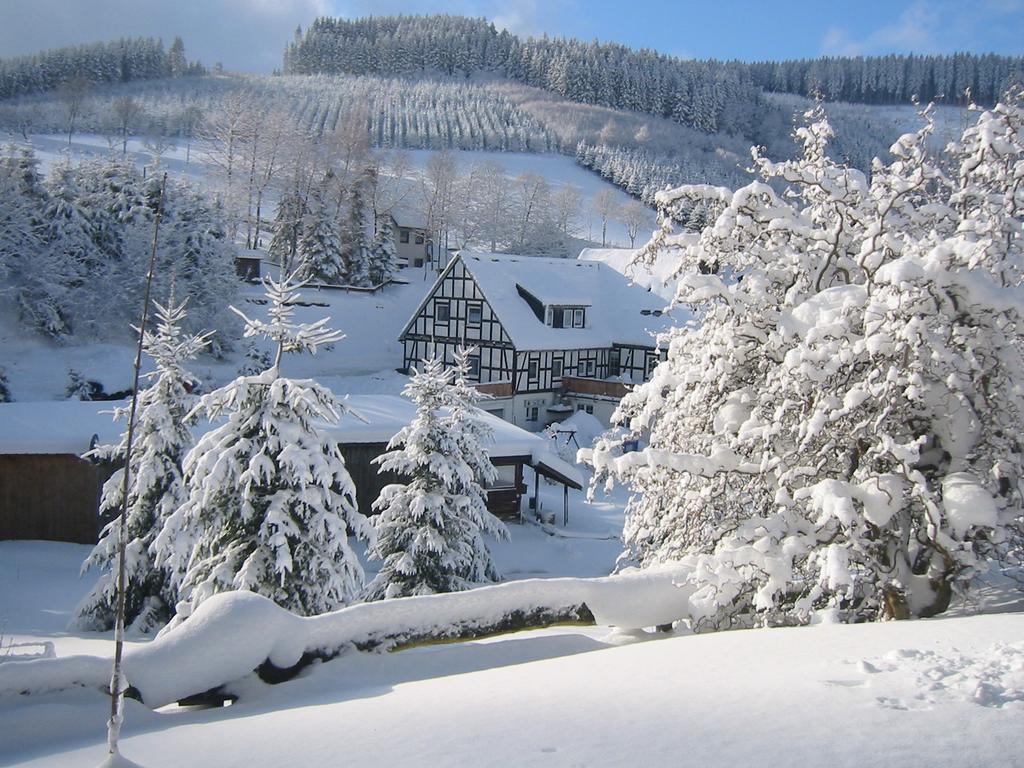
x=162, y=438
x=270, y=503
x=354, y=238
x=841, y=429
x=320, y=246
x=430, y=529
x=383, y=259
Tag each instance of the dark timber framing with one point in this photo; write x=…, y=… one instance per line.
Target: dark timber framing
x=456, y=313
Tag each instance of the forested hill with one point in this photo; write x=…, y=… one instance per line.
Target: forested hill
x=118, y=61
x=708, y=95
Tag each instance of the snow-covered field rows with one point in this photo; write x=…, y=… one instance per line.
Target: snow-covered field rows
x=556, y=169
x=942, y=692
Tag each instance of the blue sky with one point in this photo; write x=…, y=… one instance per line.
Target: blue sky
x=250, y=34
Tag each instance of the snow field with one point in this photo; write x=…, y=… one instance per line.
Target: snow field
x=556, y=698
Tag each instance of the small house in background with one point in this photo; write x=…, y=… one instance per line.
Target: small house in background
x=47, y=491
x=414, y=246
x=553, y=336
x=248, y=266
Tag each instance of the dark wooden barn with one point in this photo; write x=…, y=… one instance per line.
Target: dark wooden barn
x=47, y=491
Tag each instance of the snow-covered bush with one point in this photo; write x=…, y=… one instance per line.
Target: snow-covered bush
x=430, y=530
x=270, y=504
x=841, y=426
x=161, y=439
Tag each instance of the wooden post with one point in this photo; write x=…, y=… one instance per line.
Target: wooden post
x=117, y=681
x=536, y=494
x=565, y=505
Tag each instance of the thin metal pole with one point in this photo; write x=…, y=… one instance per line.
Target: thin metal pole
x=117, y=678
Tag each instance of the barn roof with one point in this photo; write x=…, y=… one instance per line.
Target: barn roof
x=72, y=426
x=384, y=415
x=65, y=426
x=619, y=312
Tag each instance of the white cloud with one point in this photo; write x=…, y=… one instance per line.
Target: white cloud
x=934, y=26
x=243, y=34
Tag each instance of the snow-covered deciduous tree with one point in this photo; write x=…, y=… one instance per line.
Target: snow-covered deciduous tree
x=840, y=428
x=162, y=438
x=270, y=504
x=284, y=245
x=430, y=530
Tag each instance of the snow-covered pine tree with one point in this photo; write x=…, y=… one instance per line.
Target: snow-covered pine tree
x=472, y=437
x=270, y=503
x=162, y=438
x=841, y=427
x=430, y=529
x=383, y=259
x=49, y=277
x=320, y=248
x=355, y=237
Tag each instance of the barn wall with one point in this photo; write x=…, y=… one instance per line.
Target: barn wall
x=53, y=497
x=368, y=481
x=358, y=461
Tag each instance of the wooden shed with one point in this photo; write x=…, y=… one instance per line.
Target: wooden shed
x=47, y=491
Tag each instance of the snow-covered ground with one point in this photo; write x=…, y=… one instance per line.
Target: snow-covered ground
x=558, y=170
x=364, y=362
x=941, y=692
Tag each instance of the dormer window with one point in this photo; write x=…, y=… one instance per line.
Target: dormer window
x=566, y=317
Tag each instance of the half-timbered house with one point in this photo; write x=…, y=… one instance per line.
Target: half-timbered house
x=552, y=335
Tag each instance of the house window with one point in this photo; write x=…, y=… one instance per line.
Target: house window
x=419, y=238
x=556, y=369
x=556, y=318
x=474, y=314
x=532, y=413
x=403, y=235
x=442, y=311
x=577, y=318
x=533, y=369
x=590, y=409
x=652, y=363
x=474, y=367
x=588, y=367
x=579, y=406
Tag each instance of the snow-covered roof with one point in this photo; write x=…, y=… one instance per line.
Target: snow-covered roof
x=616, y=305
x=66, y=426
x=656, y=276
x=385, y=415
x=407, y=218
x=69, y=426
